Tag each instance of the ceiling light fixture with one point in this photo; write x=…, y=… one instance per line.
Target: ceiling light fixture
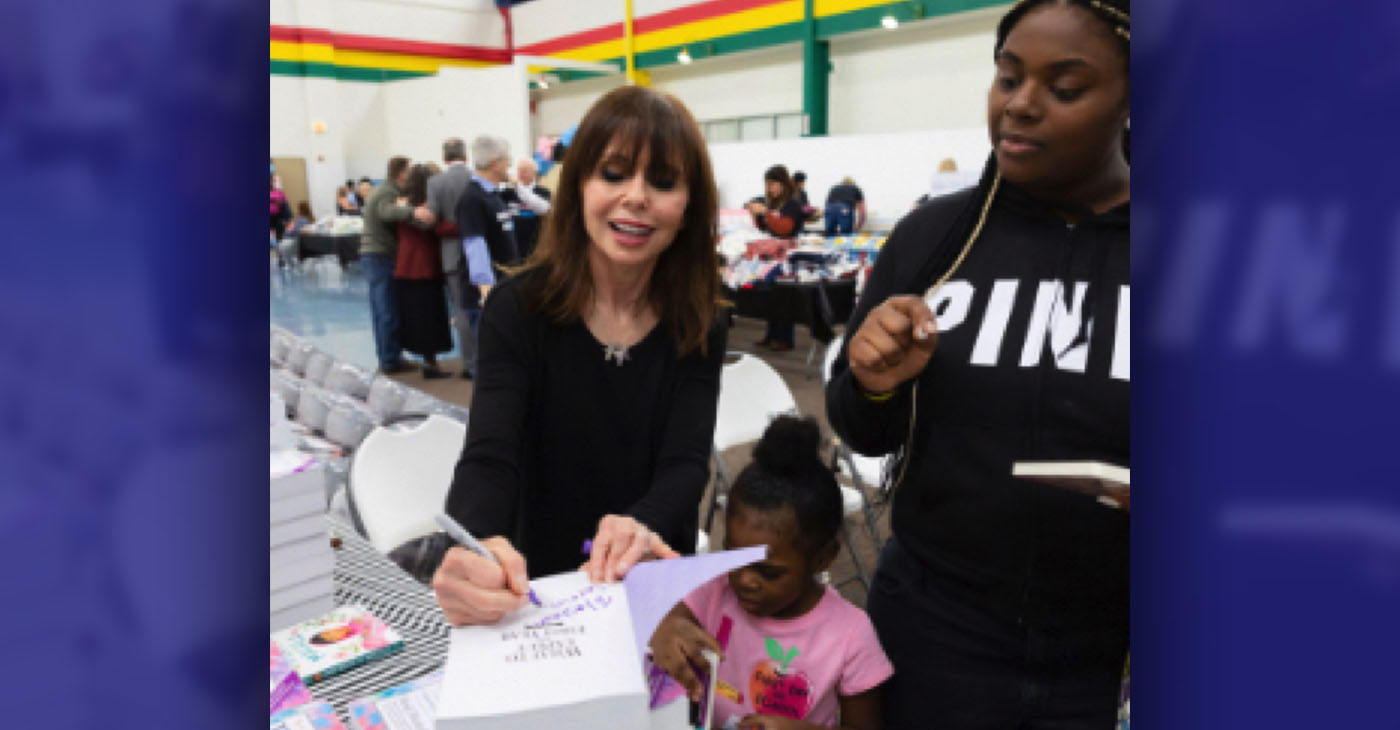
x=684, y=56
x=889, y=21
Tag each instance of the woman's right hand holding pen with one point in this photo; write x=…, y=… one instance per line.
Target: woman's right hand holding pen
x=473, y=590
x=893, y=344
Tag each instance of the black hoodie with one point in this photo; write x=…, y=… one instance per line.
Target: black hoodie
x=1017, y=375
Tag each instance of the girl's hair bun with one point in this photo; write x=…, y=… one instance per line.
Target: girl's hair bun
x=789, y=446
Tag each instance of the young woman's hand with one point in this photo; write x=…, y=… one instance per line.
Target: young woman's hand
x=621, y=543
x=676, y=645
x=473, y=590
x=893, y=344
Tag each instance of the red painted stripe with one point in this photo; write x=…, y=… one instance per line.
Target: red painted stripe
x=353, y=42
x=659, y=21
x=292, y=34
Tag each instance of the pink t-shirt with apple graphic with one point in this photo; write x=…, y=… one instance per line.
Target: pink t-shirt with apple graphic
x=790, y=667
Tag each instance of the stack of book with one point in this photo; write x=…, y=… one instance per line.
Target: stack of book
x=302, y=562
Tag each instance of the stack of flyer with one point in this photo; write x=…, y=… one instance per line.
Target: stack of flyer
x=302, y=562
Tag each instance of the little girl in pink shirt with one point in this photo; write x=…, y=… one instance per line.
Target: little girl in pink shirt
x=797, y=655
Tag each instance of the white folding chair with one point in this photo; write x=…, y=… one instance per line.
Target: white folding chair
x=400, y=477
x=751, y=393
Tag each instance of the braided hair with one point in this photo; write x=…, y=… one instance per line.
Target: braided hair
x=786, y=472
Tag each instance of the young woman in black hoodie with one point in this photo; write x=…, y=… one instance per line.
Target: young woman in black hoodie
x=994, y=329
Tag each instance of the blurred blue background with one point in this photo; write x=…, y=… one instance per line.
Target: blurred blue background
x=134, y=306
x=1266, y=402
x=1266, y=542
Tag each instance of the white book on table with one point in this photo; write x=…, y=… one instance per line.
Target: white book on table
x=282, y=509
x=1094, y=478
x=568, y=663
x=287, y=573
x=576, y=660
x=301, y=592
x=294, y=614
x=294, y=472
x=305, y=548
x=301, y=528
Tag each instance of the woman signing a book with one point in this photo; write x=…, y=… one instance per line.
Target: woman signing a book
x=594, y=405
x=994, y=330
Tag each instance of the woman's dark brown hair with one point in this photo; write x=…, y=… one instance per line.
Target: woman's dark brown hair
x=778, y=174
x=415, y=188
x=684, y=286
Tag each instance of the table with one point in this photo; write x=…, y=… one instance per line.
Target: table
x=820, y=305
x=365, y=577
x=344, y=245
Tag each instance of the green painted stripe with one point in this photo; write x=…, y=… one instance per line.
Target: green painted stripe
x=906, y=12
x=340, y=73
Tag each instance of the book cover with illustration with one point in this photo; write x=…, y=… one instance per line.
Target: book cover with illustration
x=408, y=706
x=314, y=716
x=330, y=644
x=285, y=687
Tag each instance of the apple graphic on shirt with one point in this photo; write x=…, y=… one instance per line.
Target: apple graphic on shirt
x=777, y=691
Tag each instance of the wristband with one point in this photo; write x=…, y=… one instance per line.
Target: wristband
x=877, y=397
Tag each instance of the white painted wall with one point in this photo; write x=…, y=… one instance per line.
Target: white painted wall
x=365, y=118
x=933, y=74
x=765, y=81
x=459, y=22
x=458, y=102
x=892, y=169
x=296, y=103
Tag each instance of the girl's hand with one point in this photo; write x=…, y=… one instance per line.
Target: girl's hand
x=620, y=543
x=893, y=344
x=473, y=590
x=676, y=645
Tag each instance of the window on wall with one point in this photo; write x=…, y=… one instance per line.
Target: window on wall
x=756, y=127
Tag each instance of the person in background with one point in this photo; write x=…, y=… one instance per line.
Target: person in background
x=594, y=407
x=845, y=208
x=345, y=202
x=445, y=191
x=529, y=202
x=279, y=208
x=366, y=187
x=1003, y=602
x=486, y=226
x=350, y=194
x=303, y=219
x=378, y=254
x=799, y=181
x=423, y=328
x=788, y=501
x=779, y=213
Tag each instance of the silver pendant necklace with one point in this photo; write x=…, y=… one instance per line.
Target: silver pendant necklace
x=615, y=351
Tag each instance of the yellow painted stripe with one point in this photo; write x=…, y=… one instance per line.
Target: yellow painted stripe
x=699, y=31
x=321, y=53
x=403, y=61
x=823, y=8
x=309, y=52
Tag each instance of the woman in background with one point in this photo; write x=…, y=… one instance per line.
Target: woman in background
x=779, y=212
x=418, y=282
